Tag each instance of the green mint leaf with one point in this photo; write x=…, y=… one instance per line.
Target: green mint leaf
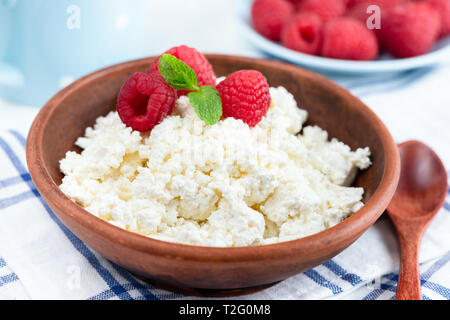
x=207, y=104
x=177, y=73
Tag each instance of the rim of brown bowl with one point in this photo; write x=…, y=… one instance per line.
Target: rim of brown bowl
x=337, y=235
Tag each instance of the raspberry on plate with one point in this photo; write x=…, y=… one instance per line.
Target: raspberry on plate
x=245, y=95
x=410, y=29
x=325, y=9
x=145, y=100
x=303, y=33
x=269, y=16
x=348, y=38
x=194, y=59
x=359, y=12
x=443, y=7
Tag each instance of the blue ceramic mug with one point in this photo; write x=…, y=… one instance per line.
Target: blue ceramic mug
x=46, y=44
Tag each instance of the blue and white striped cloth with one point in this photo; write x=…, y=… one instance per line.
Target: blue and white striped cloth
x=41, y=259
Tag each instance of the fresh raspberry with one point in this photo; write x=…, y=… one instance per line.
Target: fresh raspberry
x=358, y=10
x=348, y=38
x=145, y=100
x=269, y=16
x=194, y=59
x=409, y=29
x=443, y=7
x=245, y=95
x=325, y=9
x=303, y=33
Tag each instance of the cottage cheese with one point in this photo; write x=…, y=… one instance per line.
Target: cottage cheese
x=220, y=185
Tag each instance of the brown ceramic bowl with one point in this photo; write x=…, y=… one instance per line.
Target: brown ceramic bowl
x=64, y=118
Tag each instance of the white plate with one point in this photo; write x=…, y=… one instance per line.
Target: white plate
x=384, y=64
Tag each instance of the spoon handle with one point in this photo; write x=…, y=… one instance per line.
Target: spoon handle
x=408, y=287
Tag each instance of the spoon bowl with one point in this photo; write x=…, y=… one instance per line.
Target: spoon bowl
x=420, y=194
x=422, y=177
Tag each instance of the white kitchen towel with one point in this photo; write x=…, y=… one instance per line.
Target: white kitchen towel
x=42, y=259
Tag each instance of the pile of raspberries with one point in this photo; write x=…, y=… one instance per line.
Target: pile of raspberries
x=146, y=99
x=344, y=29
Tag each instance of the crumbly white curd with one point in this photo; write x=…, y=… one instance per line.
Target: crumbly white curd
x=216, y=185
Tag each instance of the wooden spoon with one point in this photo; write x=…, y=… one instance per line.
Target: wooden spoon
x=419, y=196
